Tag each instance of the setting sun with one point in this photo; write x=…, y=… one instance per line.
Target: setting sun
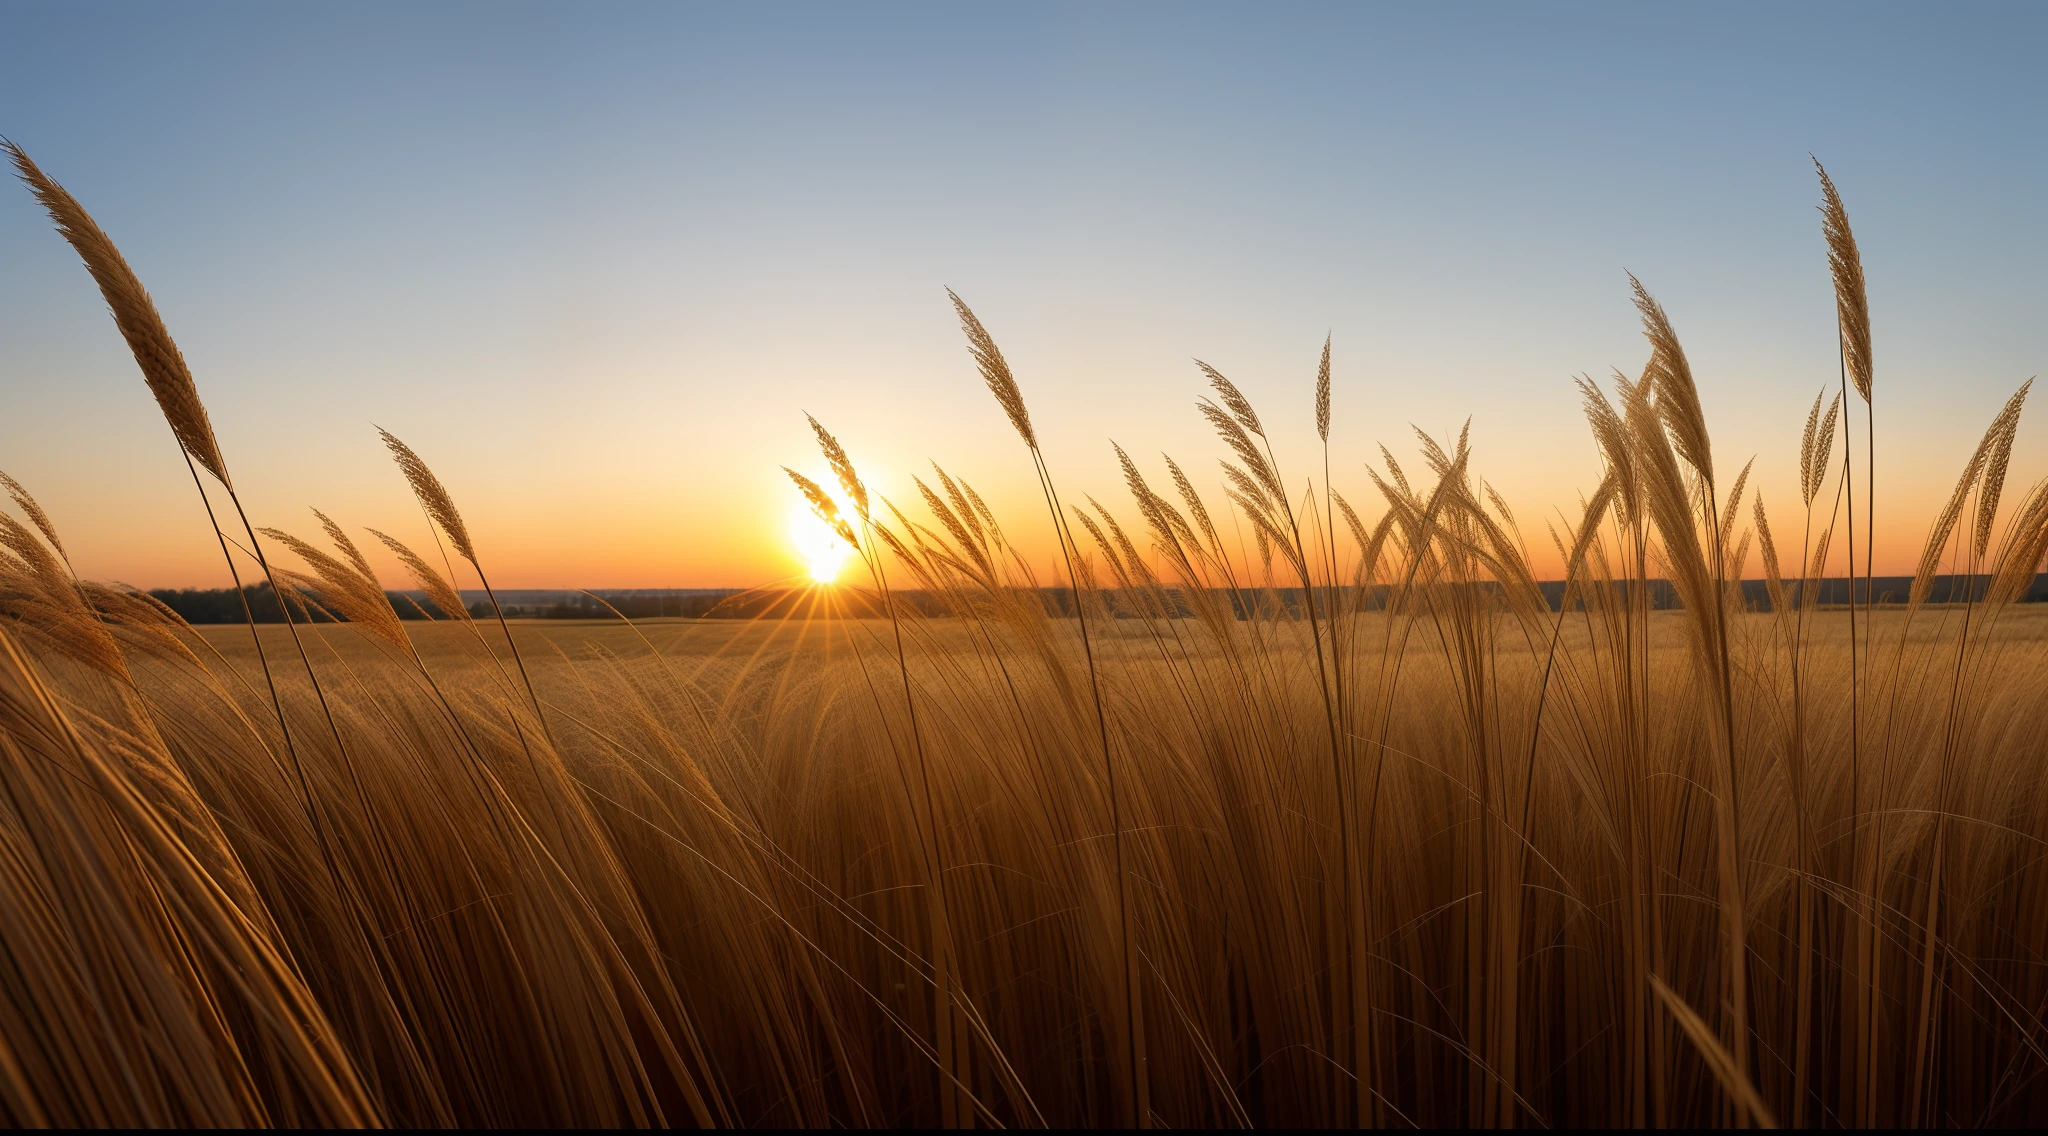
x=822, y=552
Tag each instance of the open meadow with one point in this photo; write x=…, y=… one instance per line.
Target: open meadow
x=1349, y=822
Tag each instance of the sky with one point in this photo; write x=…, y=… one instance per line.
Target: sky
x=596, y=261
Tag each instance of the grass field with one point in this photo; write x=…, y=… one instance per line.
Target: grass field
x=1344, y=825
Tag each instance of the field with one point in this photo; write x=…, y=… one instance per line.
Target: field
x=1347, y=824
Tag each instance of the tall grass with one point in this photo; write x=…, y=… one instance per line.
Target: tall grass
x=1343, y=822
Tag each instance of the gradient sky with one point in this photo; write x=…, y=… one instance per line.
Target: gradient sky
x=594, y=261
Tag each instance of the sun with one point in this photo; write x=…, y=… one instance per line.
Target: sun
x=821, y=550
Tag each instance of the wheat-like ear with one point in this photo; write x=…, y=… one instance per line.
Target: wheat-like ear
x=1369, y=559
x=963, y=538
x=1138, y=571
x=1233, y=432
x=1193, y=501
x=151, y=627
x=163, y=365
x=1994, y=468
x=39, y=598
x=1247, y=489
x=961, y=506
x=842, y=467
x=1774, y=578
x=823, y=505
x=1351, y=520
x=988, y=518
x=1611, y=432
x=995, y=371
x=1589, y=524
x=1734, y=506
x=1677, y=397
x=1852, y=304
x=1824, y=445
x=35, y=514
x=348, y=547
x=1240, y=406
x=1394, y=471
x=1808, y=474
x=38, y=566
x=1945, y=524
x=1159, y=515
x=433, y=497
x=345, y=586
x=1323, y=393
x=1500, y=504
x=1816, y=569
x=2020, y=552
x=437, y=587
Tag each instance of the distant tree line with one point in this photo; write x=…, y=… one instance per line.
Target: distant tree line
x=701, y=606
x=224, y=605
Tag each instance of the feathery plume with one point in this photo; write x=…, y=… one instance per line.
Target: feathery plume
x=348, y=548
x=1139, y=571
x=1240, y=406
x=1433, y=454
x=433, y=497
x=1589, y=524
x=1233, y=432
x=963, y=539
x=994, y=370
x=1817, y=570
x=1612, y=435
x=1809, y=473
x=1994, y=469
x=1394, y=471
x=1323, y=393
x=1945, y=524
x=842, y=467
x=1116, y=563
x=2021, y=552
x=1168, y=527
x=438, y=589
x=1824, y=445
x=35, y=514
x=1252, y=492
x=1499, y=503
x=1193, y=501
x=961, y=505
x=823, y=505
x=1852, y=304
x=1734, y=507
x=345, y=586
x=45, y=569
x=1774, y=579
x=1670, y=376
x=163, y=365
x=1351, y=520
x=151, y=626
x=988, y=519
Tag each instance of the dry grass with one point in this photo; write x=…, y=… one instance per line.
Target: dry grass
x=1351, y=826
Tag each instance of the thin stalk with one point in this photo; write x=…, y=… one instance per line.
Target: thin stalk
x=262, y=658
x=1866, y=1067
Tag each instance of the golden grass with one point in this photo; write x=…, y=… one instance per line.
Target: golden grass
x=1350, y=827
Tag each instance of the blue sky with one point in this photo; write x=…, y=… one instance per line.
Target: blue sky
x=595, y=261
